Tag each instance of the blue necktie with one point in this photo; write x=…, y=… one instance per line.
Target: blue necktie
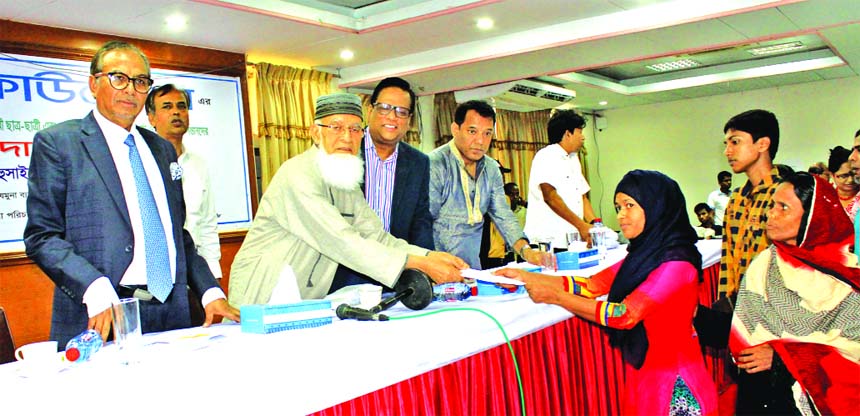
x=158, y=279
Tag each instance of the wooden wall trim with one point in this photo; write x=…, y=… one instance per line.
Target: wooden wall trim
x=25, y=291
x=52, y=42
x=28, y=39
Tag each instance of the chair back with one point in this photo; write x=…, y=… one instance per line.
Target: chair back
x=7, y=346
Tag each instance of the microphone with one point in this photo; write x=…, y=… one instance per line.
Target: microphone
x=344, y=311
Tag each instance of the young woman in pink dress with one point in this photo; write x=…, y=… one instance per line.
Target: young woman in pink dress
x=651, y=299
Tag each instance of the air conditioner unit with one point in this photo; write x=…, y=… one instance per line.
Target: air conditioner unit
x=522, y=95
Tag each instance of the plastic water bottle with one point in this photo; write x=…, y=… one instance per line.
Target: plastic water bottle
x=83, y=346
x=598, y=237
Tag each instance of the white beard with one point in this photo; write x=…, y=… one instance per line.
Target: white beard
x=341, y=171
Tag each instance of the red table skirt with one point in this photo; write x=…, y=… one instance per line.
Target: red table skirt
x=566, y=369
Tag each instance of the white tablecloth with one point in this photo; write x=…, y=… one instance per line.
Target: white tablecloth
x=222, y=371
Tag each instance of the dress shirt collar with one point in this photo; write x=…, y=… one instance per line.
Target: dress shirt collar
x=113, y=131
x=370, y=148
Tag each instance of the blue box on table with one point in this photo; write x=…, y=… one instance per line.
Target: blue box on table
x=577, y=259
x=266, y=319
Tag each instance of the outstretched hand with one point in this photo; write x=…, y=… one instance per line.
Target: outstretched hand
x=539, y=287
x=220, y=307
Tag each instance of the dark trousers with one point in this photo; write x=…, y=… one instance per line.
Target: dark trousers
x=172, y=314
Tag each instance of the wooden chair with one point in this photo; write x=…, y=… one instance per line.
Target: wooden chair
x=7, y=345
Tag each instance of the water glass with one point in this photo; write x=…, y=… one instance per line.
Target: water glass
x=126, y=330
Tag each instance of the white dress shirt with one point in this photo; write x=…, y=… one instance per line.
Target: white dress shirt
x=201, y=219
x=101, y=294
x=554, y=166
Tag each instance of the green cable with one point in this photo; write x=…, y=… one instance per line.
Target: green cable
x=507, y=341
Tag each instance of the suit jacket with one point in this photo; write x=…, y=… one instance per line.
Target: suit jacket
x=410, y=209
x=78, y=227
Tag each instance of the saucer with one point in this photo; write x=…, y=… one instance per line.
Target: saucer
x=43, y=369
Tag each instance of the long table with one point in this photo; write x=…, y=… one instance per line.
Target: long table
x=566, y=368
x=449, y=359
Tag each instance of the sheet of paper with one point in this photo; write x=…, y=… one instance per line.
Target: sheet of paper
x=488, y=276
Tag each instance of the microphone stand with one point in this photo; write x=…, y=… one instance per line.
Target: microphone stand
x=413, y=288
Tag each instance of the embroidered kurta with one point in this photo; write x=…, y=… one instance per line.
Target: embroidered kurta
x=665, y=303
x=452, y=231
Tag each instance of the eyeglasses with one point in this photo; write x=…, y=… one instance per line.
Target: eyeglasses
x=354, y=130
x=384, y=109
x=120, y=81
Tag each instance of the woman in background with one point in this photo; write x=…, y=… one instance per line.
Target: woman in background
x=796, y=328
x=843, y=179
x=652, y=298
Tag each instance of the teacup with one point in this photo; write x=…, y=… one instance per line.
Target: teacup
x=39, y=357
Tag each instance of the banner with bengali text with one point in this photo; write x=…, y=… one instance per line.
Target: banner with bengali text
x=36, y=93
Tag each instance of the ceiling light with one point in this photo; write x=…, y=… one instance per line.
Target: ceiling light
x=603, y=102
x=176, y=22
x=485, y=23
x=673, y=66
x=346, y=54
x=772, y=49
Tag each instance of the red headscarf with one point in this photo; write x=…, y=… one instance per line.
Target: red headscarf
x=826, y=239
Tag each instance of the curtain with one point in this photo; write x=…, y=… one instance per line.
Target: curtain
x=285, y=109
x=444, y=105
x=413, y=135
x=518, y=137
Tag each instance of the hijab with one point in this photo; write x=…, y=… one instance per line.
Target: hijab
x=667, y=236
x=824, y=236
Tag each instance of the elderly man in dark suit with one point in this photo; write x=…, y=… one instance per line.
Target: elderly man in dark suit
x=396, y=175
x=105, y=211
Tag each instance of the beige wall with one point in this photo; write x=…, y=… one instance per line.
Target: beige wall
x=683, y=139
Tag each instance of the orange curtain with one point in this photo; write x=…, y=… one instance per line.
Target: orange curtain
x=518, y=137
x=285, y=110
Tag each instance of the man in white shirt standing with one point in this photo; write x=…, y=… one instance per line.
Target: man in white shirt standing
x=558, y=200
x=167, y=108
x=719, y=199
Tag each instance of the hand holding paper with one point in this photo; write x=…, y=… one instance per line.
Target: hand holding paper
x=489, y=277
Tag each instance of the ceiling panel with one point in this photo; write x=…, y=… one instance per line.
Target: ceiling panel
x=531, y=38
x=760, y=23
x=702, y=91
x=820, y=13
x=795, y=78
x=746, y=84
x=834, y=73
x=695, y=36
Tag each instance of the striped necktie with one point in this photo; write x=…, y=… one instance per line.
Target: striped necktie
x=158, y=279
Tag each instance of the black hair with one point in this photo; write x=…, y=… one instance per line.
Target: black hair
x=838, y=156
x=160, y=92
x=396, y=83
x=483, y=108
x=784, y=170
x=804, y=189
x=701, y=206
x=509, y=187
x=758, y=123
x=723, y=174
x=563, y=121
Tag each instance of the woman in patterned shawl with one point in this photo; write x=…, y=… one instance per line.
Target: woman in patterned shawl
x=796, y=329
